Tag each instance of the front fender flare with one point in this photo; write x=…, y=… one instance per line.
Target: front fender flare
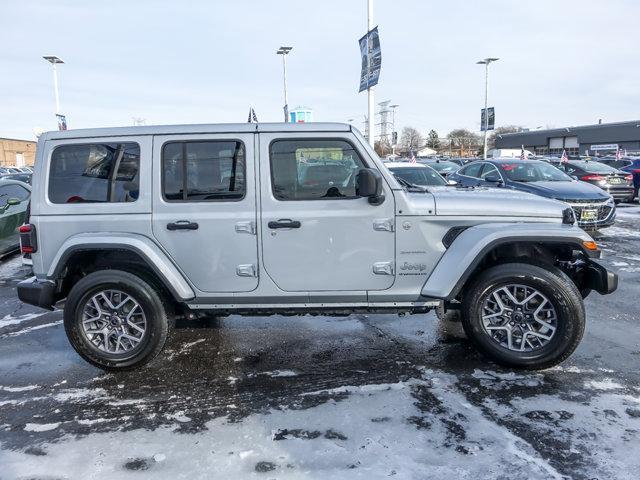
x=143, y=246
x=469, y=248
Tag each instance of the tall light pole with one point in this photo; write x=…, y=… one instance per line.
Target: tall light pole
x=284, y=51
x=53, y=60
x=370, y=90
x=486, y=63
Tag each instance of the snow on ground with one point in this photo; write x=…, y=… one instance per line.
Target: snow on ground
x=8, y=320
x=426, y=426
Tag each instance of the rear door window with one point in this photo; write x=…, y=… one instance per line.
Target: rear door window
x=95, y=173
x=203, y=171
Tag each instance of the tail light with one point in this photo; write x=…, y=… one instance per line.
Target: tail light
x=28, y=240
x=628, y=178
x=636, y=171
x=592, y=178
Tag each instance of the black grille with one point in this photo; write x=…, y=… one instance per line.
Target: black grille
x=603, y=212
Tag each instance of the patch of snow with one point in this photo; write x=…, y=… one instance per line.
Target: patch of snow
x=79, y=393
x=11, y=320
x=31, y=329
x=499, y=380
x=19, y=389
x=620, y=232
x=605, y=384
x=41, y=427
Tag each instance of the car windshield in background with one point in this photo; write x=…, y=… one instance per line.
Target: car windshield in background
x=533, y=172
x=445, y=167
x=422, y=176
x=594, y=167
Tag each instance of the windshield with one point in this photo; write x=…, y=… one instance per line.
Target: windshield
x=422, y=176
x=533, y=172
x=595, y=167
x=446, y=167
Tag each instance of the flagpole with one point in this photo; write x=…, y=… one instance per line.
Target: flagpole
x=370, y=90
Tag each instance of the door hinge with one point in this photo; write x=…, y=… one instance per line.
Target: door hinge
x=247, y=270
x=383, y=224
x=383, y=268
x=246, y=227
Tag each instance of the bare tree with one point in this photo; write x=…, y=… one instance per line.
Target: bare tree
x=411, y=139
x=464, y=140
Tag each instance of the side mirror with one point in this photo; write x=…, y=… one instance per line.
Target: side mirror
x=493, y=178
x=369, y=184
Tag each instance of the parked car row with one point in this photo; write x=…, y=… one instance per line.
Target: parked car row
x=591, y=190
x=5, y=170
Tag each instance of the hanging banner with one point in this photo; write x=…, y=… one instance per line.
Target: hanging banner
x=371, y=59
x=483, y=119
x=62, y=121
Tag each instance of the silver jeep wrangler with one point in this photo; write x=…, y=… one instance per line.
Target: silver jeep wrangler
x=134, y=227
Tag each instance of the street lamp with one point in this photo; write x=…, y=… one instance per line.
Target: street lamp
x=53, y=60
x=284, y=51
x=486, y=63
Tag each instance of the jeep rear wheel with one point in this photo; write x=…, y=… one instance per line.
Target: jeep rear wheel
x=523, y=315
x=115, y=320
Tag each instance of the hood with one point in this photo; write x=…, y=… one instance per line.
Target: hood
x=563, y=190
x=494, y=202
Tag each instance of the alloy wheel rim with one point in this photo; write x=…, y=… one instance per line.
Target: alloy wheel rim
x=114, y=322
x=519, y=318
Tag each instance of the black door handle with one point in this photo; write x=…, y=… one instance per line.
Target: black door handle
x=182, y=225
x=284, y=223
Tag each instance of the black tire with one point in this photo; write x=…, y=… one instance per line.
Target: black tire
x=151, y=303
x=560, y=291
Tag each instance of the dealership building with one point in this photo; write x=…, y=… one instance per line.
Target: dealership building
x=600, y=139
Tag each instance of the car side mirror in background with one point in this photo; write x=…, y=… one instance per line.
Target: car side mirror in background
x=369, y=184
x=493, y=178
x=10, y=203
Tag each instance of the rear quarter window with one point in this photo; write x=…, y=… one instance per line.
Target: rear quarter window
x=95, y=173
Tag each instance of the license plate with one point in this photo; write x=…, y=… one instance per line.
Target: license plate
x=615, y=181
x=589, y=214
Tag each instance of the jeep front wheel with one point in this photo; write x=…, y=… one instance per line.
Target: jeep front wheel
x=115, y=320
x=523, y=315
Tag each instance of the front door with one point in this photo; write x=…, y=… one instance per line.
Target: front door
x=317, y=234
x=204, y=208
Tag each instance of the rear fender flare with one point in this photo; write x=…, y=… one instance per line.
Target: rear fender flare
x=155, y=258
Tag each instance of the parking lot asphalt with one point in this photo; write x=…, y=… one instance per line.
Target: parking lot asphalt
x=325, y=397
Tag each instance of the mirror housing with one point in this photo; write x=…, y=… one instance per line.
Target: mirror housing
x=369, y=184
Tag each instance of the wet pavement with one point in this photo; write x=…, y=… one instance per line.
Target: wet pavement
x=325, y=397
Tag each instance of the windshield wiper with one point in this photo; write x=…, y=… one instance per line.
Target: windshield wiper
x=410, y=187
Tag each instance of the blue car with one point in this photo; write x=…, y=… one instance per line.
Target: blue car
x=594, y=208
x=630, y=165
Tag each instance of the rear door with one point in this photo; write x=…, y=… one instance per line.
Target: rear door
x=204, y=208
x=317, y=234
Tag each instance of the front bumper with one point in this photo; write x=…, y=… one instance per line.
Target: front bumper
x=600, y=279
x=40, y=293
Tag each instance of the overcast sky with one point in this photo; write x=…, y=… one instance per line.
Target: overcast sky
x=562, y=62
